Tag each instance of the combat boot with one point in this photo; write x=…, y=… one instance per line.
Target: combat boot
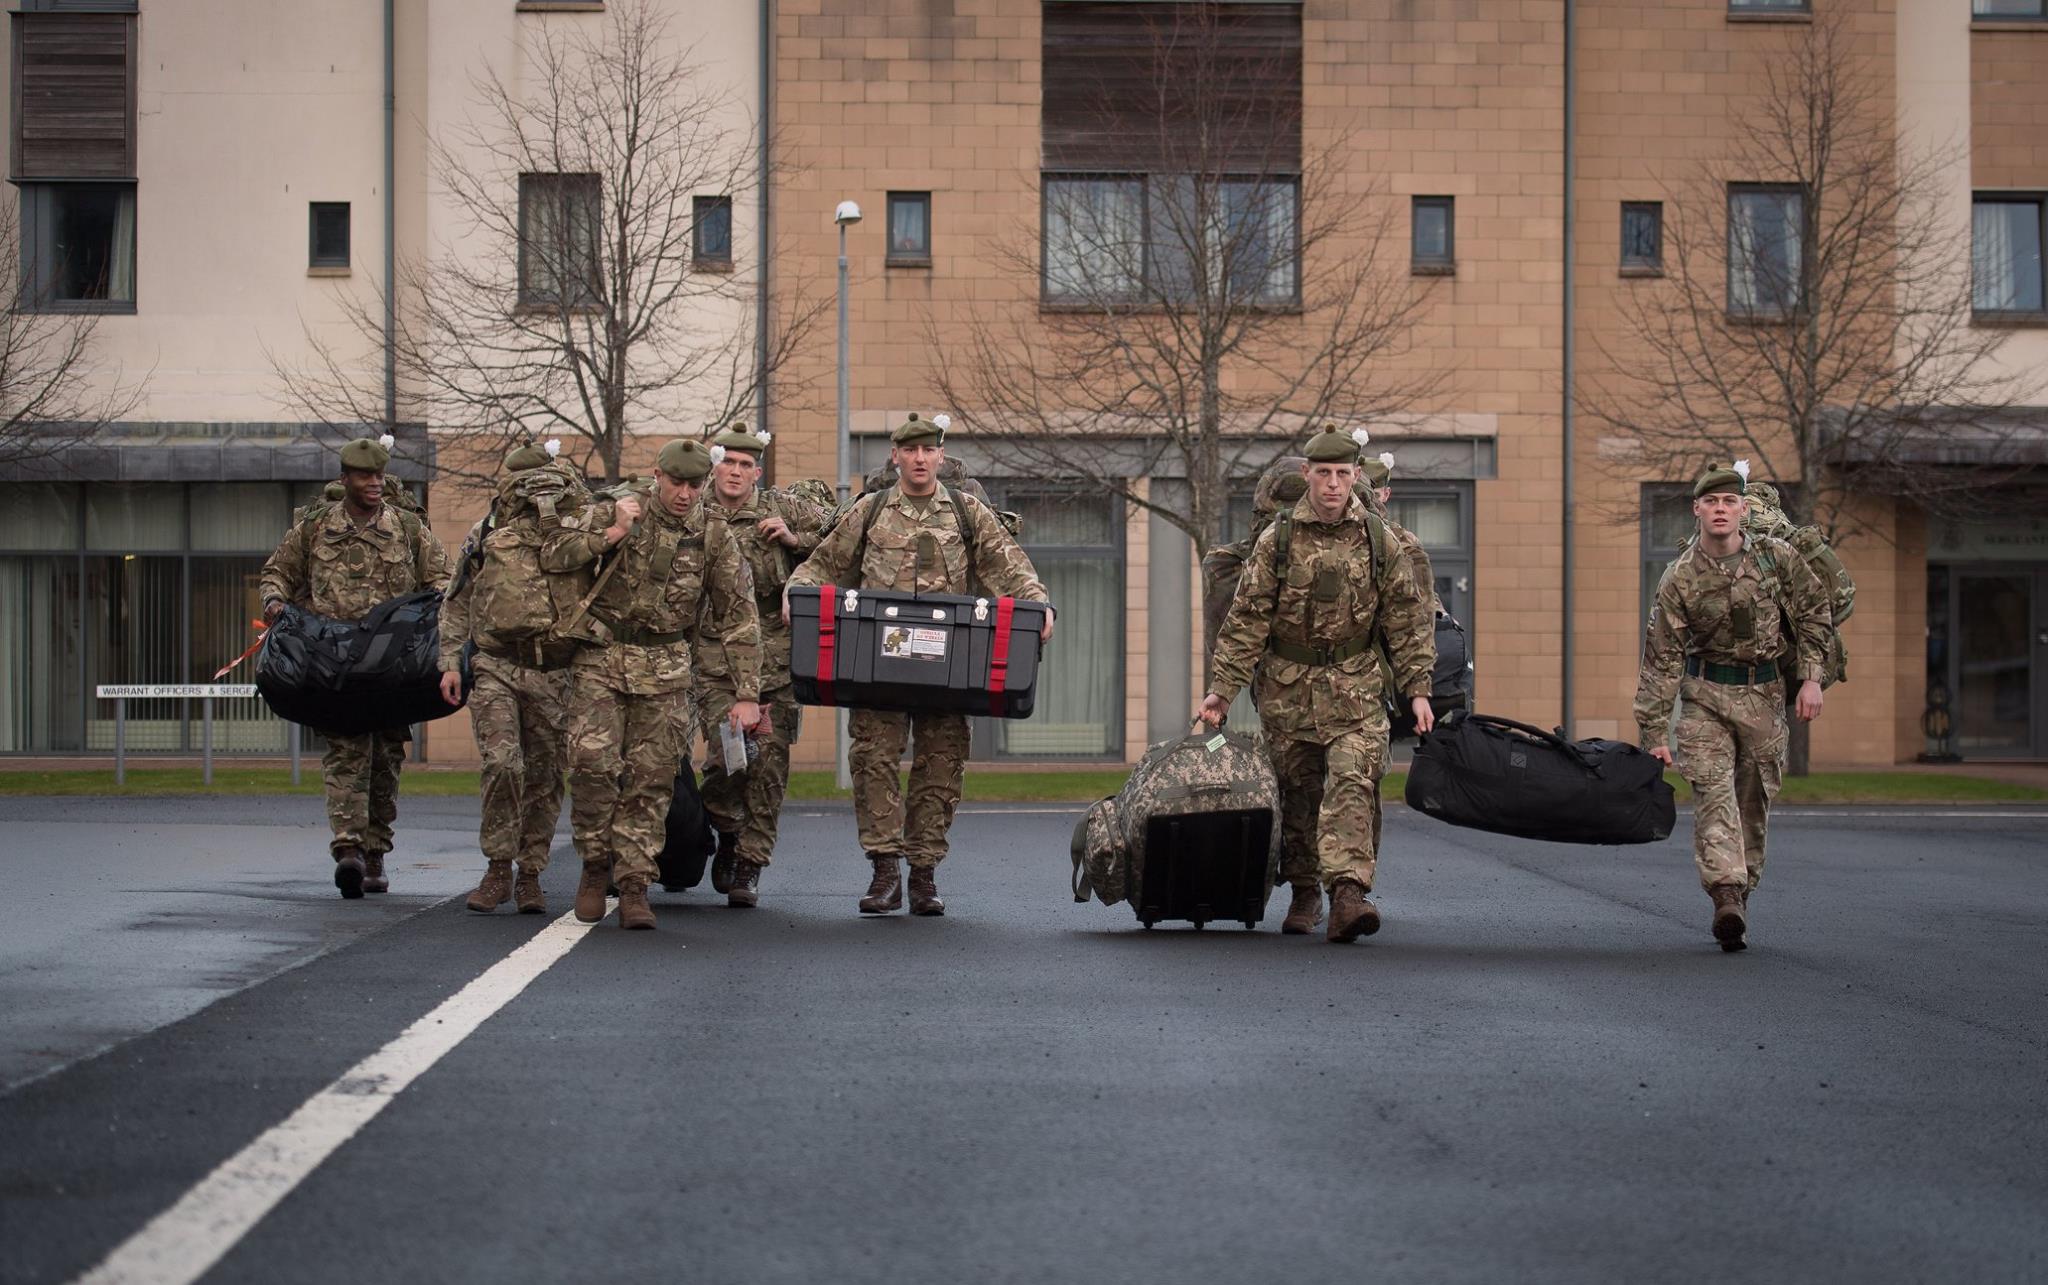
x=373, y=873
x=1351, y=915
x=348, y=871
x=885, y=891
x=744, y=886
x=634, y=912
x=495, y=889
x=590, y=892
x=1729, y=922
x=526, y=891
x=924, y=891
x=1305, y=912
x=722, y=865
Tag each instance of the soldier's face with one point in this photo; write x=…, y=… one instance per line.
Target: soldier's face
x=1385, y=493
x=675, y=496
x=918, y=466
x=734, y=476
x=365, y=487
x=1329, y=486
x=1719, y=512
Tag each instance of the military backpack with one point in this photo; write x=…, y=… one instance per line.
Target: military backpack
x=518, y=607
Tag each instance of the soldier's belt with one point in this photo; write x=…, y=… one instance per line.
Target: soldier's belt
x=1302, y=655
x=625, y=637
x=1736, y=675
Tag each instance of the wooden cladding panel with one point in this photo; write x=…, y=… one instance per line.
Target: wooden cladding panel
x=74, y=96
x=1174, y=86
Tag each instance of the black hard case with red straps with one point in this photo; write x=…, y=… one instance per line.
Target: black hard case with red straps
x=923, y=653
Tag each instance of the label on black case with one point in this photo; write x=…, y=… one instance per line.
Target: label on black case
x=901, y=642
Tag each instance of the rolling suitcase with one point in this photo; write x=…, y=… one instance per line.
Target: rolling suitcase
x=1494, y=774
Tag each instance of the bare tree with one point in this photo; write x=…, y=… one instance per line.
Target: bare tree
x=1198, y=320
x=593, y=280
x=1816, y=311
x=52, y=394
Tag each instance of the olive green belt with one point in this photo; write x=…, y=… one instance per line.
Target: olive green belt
x=1303, y=655
x=1736, y=675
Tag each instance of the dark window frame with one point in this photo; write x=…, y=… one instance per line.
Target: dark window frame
x=913, y=258
x=1770, y=9
x=37, y=262
x=314, y=258
x=1148, y=289
x=530, y=296
x=2038, y=198
x=1420, y=264
x=2040, y=14
x=700, y=206
x=1638, y=265
x=1772, y=315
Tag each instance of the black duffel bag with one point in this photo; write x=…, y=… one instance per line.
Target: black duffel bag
x=1494, y=774
x=1450, y=683
x=345, y=678
x=689, y=839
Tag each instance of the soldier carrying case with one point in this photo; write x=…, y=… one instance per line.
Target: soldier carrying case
x=915, y=653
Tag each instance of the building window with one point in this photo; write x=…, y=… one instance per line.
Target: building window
x=1667, y=524
x=78, y=247
x=1764, y=233
x=910, y=228
x=711, y=232
x=327, y=234
x=559, y=236
x=1118, y=238
x=2006, y=235
x=1642, y=237
x=2007, y=10
x=1769, y=6
x=1094, y=237
x=1431, y=246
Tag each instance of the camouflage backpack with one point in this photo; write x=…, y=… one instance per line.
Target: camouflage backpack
x=519, y=607
x=1205, y=774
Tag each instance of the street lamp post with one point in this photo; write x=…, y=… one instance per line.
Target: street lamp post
x=848, y=213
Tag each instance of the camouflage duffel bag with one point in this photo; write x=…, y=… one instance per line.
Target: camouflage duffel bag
x=1208, y=778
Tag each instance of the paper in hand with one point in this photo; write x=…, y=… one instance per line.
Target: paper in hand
x=732, y=748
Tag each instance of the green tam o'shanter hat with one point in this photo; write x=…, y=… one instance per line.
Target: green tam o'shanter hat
x=1732, y=478
x=533, y=455
x=915, y=430
x=737, y=438
x=685, y=460
x=368, y=454
x=1334, y=446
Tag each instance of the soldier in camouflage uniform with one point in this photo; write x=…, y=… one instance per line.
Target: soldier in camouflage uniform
x=1716, y=637
x=520, y=714
x=1378, y=473
x=341, y=561
x=774, y=530
x=1306, y=618
x=680, y=579
x=908, y=537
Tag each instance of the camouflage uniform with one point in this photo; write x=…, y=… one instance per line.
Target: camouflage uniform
x=520, y=715
x=749, y=803
x=681, y=597
x=1731, y=735
x=335, y=568
x=1326, y=723
x=915, y=545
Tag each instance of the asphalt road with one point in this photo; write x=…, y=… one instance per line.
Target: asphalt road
x=1542, y=1069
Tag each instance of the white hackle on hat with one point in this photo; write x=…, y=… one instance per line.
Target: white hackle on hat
x=942, y=421
x=387, y=441
x=1741, y=468
x=1360, y=436
x=553, y=446
x=763, y=436
x=1387, y=458
x=718, y=455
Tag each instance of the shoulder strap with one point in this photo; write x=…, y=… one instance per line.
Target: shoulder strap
x=875, y=501
x=965, y=521
x=1283, y=543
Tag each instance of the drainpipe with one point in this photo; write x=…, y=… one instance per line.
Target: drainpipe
x=1570, y=547
x=390, y=216
x=762, y=232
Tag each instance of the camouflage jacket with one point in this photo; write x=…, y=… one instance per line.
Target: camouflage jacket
x=332, y=566
x=1336, y=593
x=771, y=562
x=455, y=606
x=1730, y=617
x=915, y=546
x=681, y=593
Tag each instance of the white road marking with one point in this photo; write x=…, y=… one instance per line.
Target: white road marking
x=186, y=1240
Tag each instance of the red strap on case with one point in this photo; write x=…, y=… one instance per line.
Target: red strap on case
x=999, y=655
x=828, y=625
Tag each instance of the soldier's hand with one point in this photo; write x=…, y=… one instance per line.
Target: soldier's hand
x=1809, y=701
x=1662, y=753
x=745, y=716
x=271, y=611
x=1212, y=710
x=1425, y=713
x=785, y=606
x=451, y=688
x=1045, y=630
x=774, y=528
x=624, y=514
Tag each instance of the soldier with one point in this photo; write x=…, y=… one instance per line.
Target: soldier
x=1378, y=474
x=774, y=531
x=1322, y=586
x=340, y=562
x=680, y=596
x=914, y=537
x=1716, y=638
x=519, y=711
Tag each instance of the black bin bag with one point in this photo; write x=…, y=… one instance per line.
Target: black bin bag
x=346, y=678
x=687, y=838
x=1494, y=774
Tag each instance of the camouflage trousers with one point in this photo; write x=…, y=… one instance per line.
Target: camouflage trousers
x=749, y=804
x=624, y=750
x=520, y=716
x=362, y=787
x=1330, y=806
x=938, y=767
x=1731, y=748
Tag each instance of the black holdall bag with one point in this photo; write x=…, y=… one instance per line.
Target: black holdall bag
x=690, y=840
x=346, y=678
x=1489, y=773
x=916, y=653
x=1450, y=683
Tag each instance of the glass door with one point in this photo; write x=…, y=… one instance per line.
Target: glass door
x=2001, y=640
